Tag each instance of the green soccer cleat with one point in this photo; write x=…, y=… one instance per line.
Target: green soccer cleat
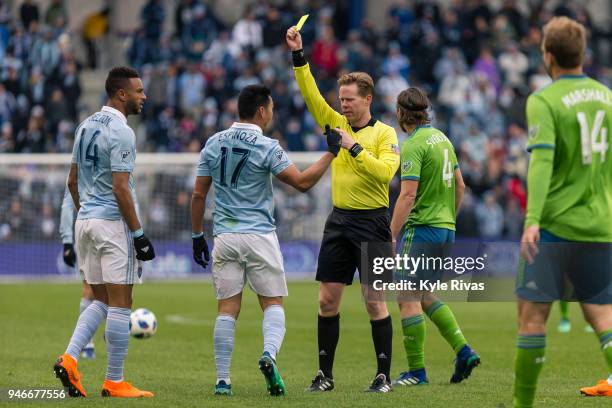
x=274, y=382
x=565, y=326
x=223, y=388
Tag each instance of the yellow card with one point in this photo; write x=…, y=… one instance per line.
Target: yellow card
x=300, y=23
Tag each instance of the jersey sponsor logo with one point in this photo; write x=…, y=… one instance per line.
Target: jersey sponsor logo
x=533, y=131
x=407, y=165
x=125, y=155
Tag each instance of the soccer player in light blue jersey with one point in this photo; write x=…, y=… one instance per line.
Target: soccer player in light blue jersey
x=239, y=162
x=69, y=254
x=109, y=237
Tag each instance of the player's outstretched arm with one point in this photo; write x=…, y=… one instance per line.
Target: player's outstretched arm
x=316, y=104
x=198, y=205
x=459, y=190
x=123, y=195
x=403, y=206
x=304, y=180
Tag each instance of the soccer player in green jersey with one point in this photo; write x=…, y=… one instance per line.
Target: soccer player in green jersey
x=569, y=206
x=424, y=220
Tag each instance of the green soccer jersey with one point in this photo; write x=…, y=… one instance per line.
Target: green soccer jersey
x=428, y=157
x=573, y=117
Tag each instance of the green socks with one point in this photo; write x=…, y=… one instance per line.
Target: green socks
x=564, y=307
x=527, y=366
x=443, y=318
x=414, y=341
x=605, y=339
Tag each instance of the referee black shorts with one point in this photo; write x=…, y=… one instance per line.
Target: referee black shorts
x=345, y=231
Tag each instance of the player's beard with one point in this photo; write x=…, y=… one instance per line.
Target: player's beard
x=133, y=108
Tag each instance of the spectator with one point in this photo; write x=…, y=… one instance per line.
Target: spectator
x=96, y=26
x=247, y=32
x=324, y=52
x=152, y=17
x=490, y=217
x=191, y=88
x=28, y=12
x=56, y=15
x=514, y=65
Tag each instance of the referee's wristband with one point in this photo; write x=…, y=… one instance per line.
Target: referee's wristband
x=138, y=233
x=299, y=60
x=355, y=149
x=195, y=235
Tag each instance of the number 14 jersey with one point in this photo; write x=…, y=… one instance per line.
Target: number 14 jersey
x=573, y=117
x=241, y=162
x=103, y=144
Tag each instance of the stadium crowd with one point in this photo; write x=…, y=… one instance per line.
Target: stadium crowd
x=478, y=64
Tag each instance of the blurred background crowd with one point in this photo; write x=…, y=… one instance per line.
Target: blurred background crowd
x=477, y=62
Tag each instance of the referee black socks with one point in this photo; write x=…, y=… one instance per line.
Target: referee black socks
x=382, y=335
x=328, y=334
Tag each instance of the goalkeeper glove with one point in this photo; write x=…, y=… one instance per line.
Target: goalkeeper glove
x=69, y=255
x=144, y=248
x=333, y=140
x=200, y=247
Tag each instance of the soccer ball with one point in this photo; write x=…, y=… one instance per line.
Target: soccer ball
x=143, y=323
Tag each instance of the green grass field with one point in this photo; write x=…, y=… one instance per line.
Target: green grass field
x=178, y=365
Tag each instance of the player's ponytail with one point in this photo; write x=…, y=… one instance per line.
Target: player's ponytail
x=412, y=107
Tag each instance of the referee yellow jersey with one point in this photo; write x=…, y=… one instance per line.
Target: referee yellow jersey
x=361, y=182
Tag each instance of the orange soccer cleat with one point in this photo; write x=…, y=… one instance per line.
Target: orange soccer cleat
x=602, y=389
x=123, y=389
x=66, y=370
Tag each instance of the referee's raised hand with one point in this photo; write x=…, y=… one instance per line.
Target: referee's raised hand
x=294, y=39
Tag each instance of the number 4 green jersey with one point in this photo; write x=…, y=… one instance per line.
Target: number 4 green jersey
x=572, y=116
x=428, y=157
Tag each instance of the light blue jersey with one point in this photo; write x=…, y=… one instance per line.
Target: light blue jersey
x=67, y=219
x=104, y=143
x=241, y=161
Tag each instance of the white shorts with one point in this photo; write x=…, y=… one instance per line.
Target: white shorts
x=253, y=257
x=106, y=252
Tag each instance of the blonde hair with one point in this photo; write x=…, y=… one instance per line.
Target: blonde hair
x=365, y=83
x=565, y=39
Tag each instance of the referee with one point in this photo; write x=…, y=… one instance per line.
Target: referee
x=360, y=194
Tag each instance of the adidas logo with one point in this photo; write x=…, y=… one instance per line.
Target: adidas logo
x=145, y=249
x=540, y=360
x=322, y=353
x=605, y=346
x=382, y=355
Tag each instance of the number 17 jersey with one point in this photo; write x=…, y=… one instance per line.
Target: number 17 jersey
x=103, y=144
x=573, y=117
x=241, y=162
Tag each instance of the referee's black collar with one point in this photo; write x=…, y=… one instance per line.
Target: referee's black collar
x=370, y=123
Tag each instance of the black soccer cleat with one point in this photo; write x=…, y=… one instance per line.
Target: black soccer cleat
x=380, y=384
x=321, y=383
